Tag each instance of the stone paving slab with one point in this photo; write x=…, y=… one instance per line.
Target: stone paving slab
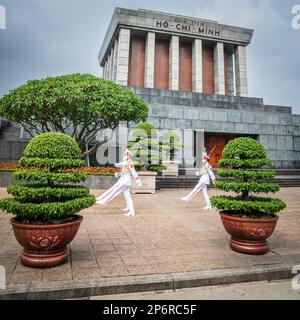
x=167, y=236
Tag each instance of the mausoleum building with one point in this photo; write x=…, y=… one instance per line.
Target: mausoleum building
x=193, y=74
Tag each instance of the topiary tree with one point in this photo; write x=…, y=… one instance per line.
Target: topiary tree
x=80, y=105
x=241, y=161
x=143, y=144
x=48, y=193
x=170, y=144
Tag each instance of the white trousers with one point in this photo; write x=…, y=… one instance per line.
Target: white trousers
x=129, y=202
x=199, y=187
x=113, y=192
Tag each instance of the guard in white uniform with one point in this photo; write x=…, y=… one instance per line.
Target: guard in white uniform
x=206, y=175
x=126, y=174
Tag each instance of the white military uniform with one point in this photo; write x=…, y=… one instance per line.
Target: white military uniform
x=206, y=175
x=126, y=175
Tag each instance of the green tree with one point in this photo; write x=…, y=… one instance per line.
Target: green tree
x=170, y=144
x=144, y=145
x=80, y=105
x=241, y=164
x=48, y=193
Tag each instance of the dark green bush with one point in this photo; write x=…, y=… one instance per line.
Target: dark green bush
x=156, y=167
x=49, y=177
x=51, y=163
x=48, y=193
x=52, y=146
x=241, y=161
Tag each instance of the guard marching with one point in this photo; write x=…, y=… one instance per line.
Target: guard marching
x=126, y=174
x=206, y=174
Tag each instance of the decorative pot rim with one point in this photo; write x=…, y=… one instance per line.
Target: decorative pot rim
x=261, y=220
x=14, y=223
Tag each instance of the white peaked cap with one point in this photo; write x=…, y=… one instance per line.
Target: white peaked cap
x=129, y=153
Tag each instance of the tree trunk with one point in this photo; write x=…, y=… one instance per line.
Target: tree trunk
x=92, y=150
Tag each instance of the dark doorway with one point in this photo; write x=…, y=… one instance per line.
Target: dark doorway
x=217, y=142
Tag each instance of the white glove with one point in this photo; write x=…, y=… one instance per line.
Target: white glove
x=139, y=182
x=197, y=173
x=117, y=174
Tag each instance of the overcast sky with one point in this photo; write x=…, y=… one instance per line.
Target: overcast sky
x=52, y=37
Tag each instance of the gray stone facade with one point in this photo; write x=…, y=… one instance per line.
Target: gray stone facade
x=275, y=126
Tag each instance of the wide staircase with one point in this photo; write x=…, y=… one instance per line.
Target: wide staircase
x=188, y=179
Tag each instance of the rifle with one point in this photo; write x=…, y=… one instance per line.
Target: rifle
x=212, y=150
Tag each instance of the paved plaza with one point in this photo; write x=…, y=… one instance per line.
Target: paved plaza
x=167, y=235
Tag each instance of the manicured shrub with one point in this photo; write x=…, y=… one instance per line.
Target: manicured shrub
x=144, y=145
x=46, y=193
x=170, y=145
x=156, y=167
x=241, y=162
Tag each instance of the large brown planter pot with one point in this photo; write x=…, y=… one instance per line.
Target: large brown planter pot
x=249, y=235
x=45, y=245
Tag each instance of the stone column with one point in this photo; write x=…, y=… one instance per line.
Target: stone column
x=108, y=65
x=174, y=63
x=123, y=57
x=197, y=66
x=188, y=150
x=112, y=55
x=219, y=68
x=230, y=74
x=199, y=147
x=115, y=61
x=241, y=80
x=105, y=69
x=149, y=60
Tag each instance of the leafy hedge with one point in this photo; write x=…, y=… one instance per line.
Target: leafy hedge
x=51, y=146
x=30, y=212
x=48, y=177
x=247, y=174
x=156, y=167
x=245, y=163
x=242, y=160
x=253, y=205
x=47, y=193
x=40, y=193
x=51, y=163
x=247, y=186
